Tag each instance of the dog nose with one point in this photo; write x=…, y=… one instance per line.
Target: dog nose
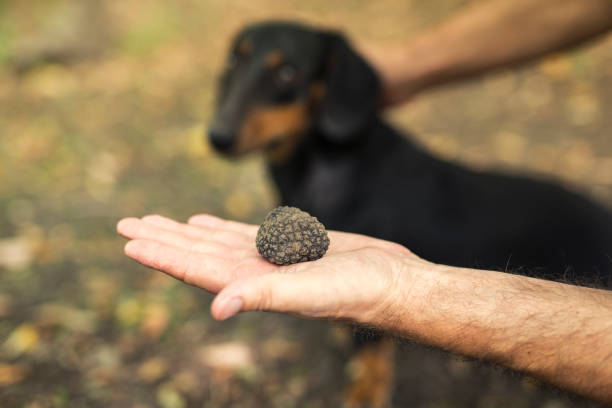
x=221, y=141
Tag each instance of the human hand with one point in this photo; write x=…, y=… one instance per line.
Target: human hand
x=358, y=279
x=402, y=77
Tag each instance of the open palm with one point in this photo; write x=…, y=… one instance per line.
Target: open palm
x=352, y=281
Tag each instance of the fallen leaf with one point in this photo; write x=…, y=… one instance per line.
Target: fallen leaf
x=16, y=253
x=155, y=319
x=169, y=397
x=231, y=356
x=51, y=81
x=22, y=340
x=197, y=143
x=152, y=369
x=12, y=373
x=128, y=312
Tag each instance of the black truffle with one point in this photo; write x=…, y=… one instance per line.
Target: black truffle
x=289, y=235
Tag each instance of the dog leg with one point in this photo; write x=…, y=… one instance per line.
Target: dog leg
x=371, y=374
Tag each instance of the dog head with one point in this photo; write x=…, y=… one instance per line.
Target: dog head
x=284, y=79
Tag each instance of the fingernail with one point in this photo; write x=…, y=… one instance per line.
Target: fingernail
x=231, y=308
x=128, y=248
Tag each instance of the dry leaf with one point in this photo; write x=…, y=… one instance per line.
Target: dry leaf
x=232, y=356
x=12, y=373
x=128, y=312
x=197, y=142
x=155, y=319
x=51, y=81
x=23, y=339
x=169, y=397
x=152, y=369
x=16, y=253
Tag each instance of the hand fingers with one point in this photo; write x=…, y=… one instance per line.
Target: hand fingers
x=207, y=272
x=224, y=236
x=210, y=221
x=168, y=223
x=135, y=228
x=166, y=231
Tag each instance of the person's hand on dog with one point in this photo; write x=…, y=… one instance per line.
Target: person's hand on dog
x=355, y=280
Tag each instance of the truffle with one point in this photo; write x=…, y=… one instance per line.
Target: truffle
x=289, y=235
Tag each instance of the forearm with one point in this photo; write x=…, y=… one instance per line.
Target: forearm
x=559, y=333
x=485, y=36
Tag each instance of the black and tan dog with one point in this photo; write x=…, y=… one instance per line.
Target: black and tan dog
x=306, y=99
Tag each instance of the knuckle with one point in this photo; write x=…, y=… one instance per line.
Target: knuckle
x=264, y=298
x=189, y=272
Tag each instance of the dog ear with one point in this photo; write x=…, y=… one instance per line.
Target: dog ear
x=352, y=89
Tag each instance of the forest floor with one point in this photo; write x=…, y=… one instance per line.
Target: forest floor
x=103, y=107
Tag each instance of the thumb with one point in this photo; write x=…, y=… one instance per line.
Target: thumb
x=301, y=294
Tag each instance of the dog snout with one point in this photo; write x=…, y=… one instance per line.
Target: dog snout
x=221, y=140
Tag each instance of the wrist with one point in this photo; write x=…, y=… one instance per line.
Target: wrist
x=406, y=70
x=401, y=306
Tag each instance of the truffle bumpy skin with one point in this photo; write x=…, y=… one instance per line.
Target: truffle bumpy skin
x=289, y=235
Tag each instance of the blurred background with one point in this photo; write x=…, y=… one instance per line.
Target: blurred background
x=103, y=107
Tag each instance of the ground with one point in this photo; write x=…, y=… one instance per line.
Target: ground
x=103, y=107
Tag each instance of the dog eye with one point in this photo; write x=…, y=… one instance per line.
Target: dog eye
x=233, y=61
x=286, y=75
